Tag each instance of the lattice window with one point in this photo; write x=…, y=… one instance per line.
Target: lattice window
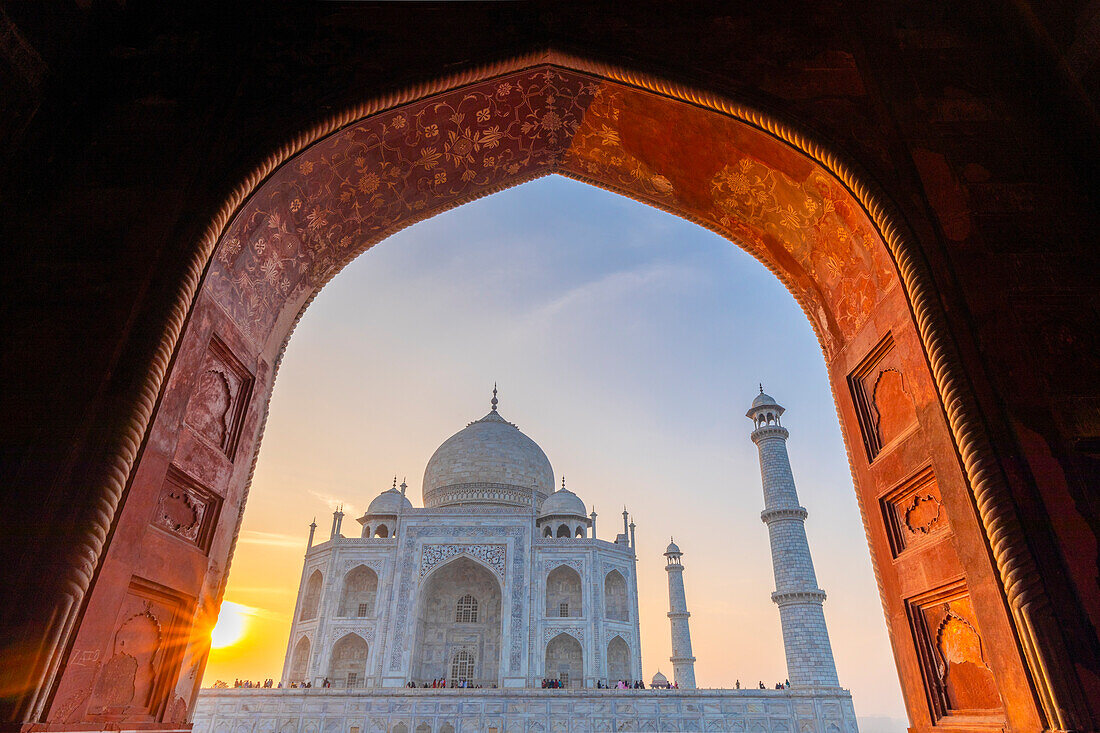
x=462, y=666
x=362, y=610
x=563, y=610
x=353, y=677
x=466, y=612
x=564, y=677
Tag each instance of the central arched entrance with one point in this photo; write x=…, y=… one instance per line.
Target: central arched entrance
x=757, y=181
x=458, y=626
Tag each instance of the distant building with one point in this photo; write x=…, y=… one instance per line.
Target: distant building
x=498, y=581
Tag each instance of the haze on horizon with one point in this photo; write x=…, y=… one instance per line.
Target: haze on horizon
x=628, y=344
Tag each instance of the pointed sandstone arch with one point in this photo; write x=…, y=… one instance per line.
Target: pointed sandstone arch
x=793, y=204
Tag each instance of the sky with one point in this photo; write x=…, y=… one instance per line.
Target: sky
x=628, y=344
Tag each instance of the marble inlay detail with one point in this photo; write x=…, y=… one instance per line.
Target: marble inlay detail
x=408, y=576
x=495, y=556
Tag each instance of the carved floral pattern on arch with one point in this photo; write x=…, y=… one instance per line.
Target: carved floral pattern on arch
x=370, y=178
x=809, y=219
x=374, y=176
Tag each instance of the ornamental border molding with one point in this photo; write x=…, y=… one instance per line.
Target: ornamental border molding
x=493, y=556
x=549, y=566
x=377, y=565
x=549, y=632
x=366, y=633
x=1043, y=646
x=607, y=567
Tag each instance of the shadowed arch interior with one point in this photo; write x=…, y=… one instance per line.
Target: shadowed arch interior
x=458, y=617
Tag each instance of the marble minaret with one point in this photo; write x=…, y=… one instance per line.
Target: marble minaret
x=683, y=664
x=805, y=637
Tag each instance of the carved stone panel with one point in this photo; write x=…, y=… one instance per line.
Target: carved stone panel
x=953, y=657
x=220, y=397
x=883, y=401
x=143, y=658
x=914, y=512
x=187, y=509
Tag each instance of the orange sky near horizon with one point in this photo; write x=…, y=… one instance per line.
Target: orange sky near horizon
x=628, y=344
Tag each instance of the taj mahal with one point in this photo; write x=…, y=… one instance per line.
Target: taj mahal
x=497, y=607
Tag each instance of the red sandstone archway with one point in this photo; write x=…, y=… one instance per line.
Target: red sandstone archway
x=956, y=579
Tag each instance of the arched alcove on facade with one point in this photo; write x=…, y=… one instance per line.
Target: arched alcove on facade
x=347, y=665
x=618, y=660
x=765, y=185
x=311, y=599
x=299, y=661
x=563, y=593
x=359, y=592
x=615, y=601
x=458, y=618
x=565, y=661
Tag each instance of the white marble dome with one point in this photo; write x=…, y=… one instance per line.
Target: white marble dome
x=390, y=501
x=490, y=461
x=563, y=503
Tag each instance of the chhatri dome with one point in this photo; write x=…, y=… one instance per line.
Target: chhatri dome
x=490, y=461
x=390, y=501
x=563, y=503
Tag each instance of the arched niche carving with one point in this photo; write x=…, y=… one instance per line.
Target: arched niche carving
x=616, y=599
x=311, y=599
x=360, y=589
x=563, y=593
x=299, y=661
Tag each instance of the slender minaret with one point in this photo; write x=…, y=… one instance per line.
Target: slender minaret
x=805, y=637
x=593, y=516
x=312, y=529
x=683, y=664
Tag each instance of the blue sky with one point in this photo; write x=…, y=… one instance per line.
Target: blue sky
x=628, y=344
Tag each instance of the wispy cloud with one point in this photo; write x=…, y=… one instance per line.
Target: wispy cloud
x=270, y=539
x=334, y=501
x=610, y=287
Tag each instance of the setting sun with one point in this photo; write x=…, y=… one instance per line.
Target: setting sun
x=231, y=626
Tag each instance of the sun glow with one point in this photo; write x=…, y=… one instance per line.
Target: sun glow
x=232, y=624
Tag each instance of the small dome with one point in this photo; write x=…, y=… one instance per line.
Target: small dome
x=764, y=399
x=390, y=501
x=659, y=680
x=563, y=502
x=673, y=549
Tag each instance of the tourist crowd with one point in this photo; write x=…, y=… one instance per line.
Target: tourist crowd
x=442, y=683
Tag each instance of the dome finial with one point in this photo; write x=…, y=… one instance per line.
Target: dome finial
x=563, y=482
x=761, y=388
x=494, y=400
x=395, y=482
